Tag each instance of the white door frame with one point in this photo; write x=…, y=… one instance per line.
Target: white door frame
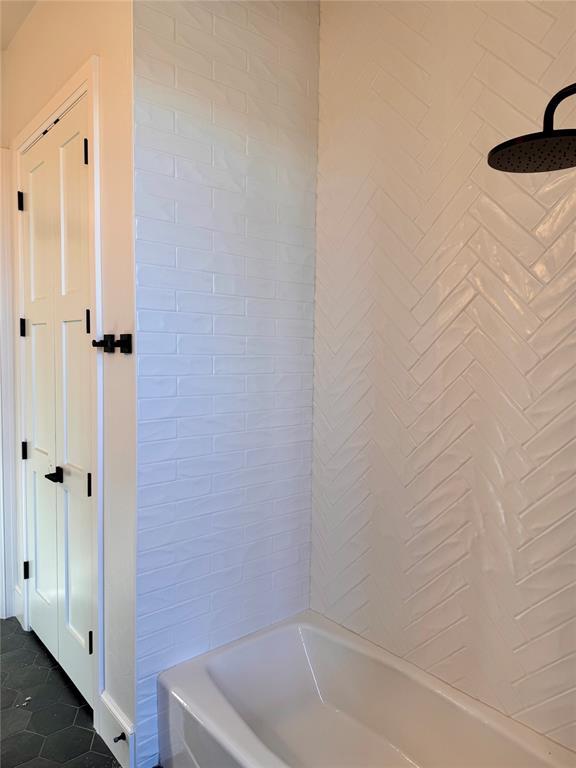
x=83, y=84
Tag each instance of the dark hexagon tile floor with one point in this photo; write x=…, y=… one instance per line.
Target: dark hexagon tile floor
x=44, y=721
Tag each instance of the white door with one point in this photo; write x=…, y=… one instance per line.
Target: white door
x=60, y=394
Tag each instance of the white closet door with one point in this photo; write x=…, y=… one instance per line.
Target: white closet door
x=74, y=361
x=61, y=369
x=41, y=244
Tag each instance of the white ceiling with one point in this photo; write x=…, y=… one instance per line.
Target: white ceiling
x=12, y=15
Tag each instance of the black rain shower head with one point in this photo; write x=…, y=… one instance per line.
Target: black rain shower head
x=548, y=150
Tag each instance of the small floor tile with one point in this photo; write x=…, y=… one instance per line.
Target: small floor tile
x=85, y=717
x=37, y=697
x=13, y=720
x=92, y=760
x=7, y=697
x=19, y=748
x=45, y=722
x=66, y=744
x=26, y=677
x=99, y=746
x=51, y=719
x=40, y=762
x=15, y=641
x=20, y=658
x=45, y=659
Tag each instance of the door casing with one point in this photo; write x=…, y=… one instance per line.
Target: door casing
x=84, y=84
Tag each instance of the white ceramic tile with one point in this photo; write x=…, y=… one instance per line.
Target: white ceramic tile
x=531, y=21
x=173, y=189
x=162, y=449
x=254, y=43
x=159, y=23
x=208, y=45
x=444, y=357
x=172, y=407
x=211, y=345
x=156, y=430
x=445, y=382
x=167, y=233
x=156, y=298
x=152, y=160
x=193, y=302
x=157, y=386
x=209, y=354
x=177, y=322
x=154, y=276
x=196, y=14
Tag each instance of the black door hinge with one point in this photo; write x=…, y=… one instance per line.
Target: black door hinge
x=85, y=151
x=26, y=569
x=24, y=450
x=20, y=200
x=22, y=326
x=87, y=321
x=90, y=643
x=89, y=484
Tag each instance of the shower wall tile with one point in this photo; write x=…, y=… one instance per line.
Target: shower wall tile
x=445, y=367
x=225, y=155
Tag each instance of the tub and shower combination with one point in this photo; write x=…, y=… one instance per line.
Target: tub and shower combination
x=307, y=693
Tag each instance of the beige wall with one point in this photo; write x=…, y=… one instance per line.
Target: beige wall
x=445, y=385
x=56, y=39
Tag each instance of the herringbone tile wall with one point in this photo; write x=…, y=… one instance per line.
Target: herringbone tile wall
x=444, y=525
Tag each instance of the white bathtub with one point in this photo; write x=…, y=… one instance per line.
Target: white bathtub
x=308, y=693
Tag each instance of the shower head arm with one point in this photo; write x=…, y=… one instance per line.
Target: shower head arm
x=569, y=90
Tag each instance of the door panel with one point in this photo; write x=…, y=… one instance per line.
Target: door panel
x=40, y=235
x=75, y=220
x=41, y=369
x=44, y=574
x=60, y=372
x=74, y=361
x=77, y=575
x=43, y=228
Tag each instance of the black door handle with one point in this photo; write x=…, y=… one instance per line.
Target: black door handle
x=109, y=343
x=106, y=343
x=57, y=476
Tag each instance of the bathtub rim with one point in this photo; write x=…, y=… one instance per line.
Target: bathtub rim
x=202, y=698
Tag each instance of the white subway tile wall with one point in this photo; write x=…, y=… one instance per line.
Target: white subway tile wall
x=225, y=156
x=444, y=523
